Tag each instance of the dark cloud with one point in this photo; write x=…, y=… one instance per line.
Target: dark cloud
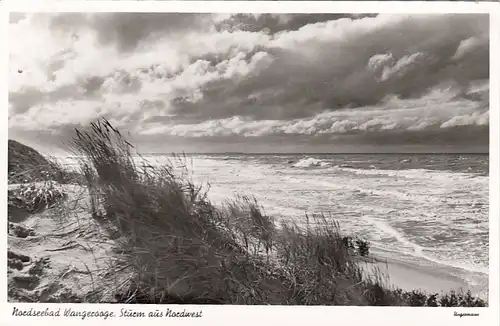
x=92, y=85
x=335, y=76
x=149, y=104
x=127, y=30
x=292, y=81
x=464, y=135
x=23, y=101
x=461, y=139
x=275, y=23
x=84, y=88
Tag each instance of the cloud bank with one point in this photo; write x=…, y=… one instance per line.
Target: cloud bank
x=251, y=80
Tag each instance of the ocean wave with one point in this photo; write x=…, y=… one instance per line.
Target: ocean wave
x=413, y=249
x=311, y=162
x=414, y=173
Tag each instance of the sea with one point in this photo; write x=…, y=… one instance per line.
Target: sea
x=412, y=207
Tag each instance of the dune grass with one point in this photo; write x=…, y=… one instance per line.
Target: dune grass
x=180, y=248
x=35, y=197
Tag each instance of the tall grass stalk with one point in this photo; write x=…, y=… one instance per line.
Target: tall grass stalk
x=182, y=249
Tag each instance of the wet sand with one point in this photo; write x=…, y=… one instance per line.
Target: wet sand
x=426, y=276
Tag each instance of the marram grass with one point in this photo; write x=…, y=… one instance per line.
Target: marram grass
x=180, y=248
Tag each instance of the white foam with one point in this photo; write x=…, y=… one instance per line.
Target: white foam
x=310, y=162
x=367, y=202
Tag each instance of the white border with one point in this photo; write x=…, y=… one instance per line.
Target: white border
x=494, y=286
x=250, y=6
x=251, y=315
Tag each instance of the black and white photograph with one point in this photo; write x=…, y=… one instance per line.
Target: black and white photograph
x=288, y=159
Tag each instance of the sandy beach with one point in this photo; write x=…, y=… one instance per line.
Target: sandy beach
x=427, y=276
x=63, y=259
x=59, y=255
x=61, y=252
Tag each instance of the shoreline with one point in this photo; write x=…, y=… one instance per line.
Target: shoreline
x=425, y=275
x=58, y=250
x=410, y=273
x=399, y=271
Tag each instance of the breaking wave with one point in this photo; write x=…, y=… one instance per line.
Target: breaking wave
x=311, y=162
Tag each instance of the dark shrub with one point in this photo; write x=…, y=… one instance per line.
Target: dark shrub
x=432, y=300
x=363, y=247
x=417, y=299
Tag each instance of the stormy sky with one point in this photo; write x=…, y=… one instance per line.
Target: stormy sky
x=254, y=83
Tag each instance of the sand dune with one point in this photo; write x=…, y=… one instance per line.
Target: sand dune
x=59, y=255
